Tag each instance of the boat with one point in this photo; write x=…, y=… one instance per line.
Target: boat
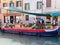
x=28, y=31
x=38, y=32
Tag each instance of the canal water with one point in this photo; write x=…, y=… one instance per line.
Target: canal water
x=14, y=39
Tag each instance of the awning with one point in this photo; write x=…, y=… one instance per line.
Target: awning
x=18, y=10
x=37, y=14
x=55, y=14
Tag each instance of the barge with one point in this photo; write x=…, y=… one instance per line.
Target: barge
x=38, y=32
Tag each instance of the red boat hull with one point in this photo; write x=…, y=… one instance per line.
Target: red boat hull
x=40, y=32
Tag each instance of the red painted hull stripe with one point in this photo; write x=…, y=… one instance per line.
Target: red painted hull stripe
x=24, y=30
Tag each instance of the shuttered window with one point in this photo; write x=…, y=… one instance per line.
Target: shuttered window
x=48, y=3
x=11, y=3
x=0, y=1
x=4, y=4
x=27, y=6
x=0, y=11
x=18, y=3
x=39, y=4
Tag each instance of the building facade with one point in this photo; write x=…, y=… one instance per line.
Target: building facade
x=34, y=6
x=0, y=11
x=42, y=6
x=12, y=16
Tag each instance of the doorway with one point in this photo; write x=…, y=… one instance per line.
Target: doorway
x=11, y=19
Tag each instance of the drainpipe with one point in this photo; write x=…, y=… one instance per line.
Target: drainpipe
x=42, y=6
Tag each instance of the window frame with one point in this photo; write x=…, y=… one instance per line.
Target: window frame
x=18, y=3
x=27, y=17
x=11, y=4
x=39, y=4
x=27, y=6
x=0, y=11
x=4, y=4
x=48, y=3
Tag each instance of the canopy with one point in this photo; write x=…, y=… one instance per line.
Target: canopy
x=55, y=14
x=21, y=11
x=37, y=14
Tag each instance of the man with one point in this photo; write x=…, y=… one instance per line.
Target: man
x=42, y=22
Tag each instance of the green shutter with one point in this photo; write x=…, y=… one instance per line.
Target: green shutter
x=28, y=6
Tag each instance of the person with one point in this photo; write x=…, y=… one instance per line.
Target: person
x=0, y=24
x=21, y=23
x=54, y=22
x=33, y=27
x=42, y=22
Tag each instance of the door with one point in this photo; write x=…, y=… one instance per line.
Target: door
x=11, y=19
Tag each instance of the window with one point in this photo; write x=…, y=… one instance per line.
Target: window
x=27, y=17
x=39, y=4
x=17, y=19
x=27, y=6
x=48, y=17
x=4, y=4
x=4, y=20
x=0, y=1
x=11, y=4
x=0, y=11
x=48, y=3
x=18, y=3
x=55, y=18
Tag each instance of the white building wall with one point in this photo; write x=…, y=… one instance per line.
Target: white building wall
x=33, y=8
x=31, y=19
x=33, y=5
x=55, y=6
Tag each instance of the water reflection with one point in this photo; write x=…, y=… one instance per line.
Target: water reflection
x=12, y=39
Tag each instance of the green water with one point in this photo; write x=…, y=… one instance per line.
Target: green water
x=13, y=39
